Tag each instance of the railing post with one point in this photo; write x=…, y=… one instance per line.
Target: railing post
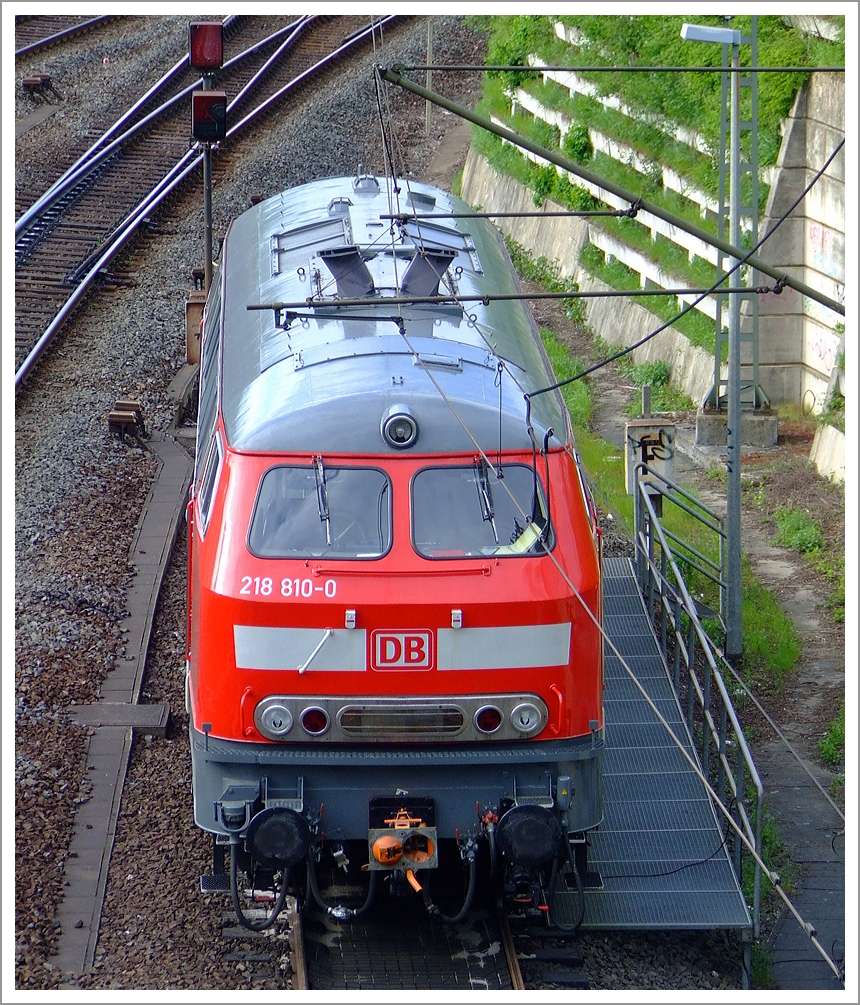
x=639, y=532
x=706, y=708
x=723, y=740
x=677, y=659
x=691, y=672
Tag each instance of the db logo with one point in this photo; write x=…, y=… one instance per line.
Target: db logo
x=402, y=650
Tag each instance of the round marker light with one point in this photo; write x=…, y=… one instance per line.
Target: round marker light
x=314, y=721
x=526, y=717
x=399, y=429
x=488, y=719
x=276, y=720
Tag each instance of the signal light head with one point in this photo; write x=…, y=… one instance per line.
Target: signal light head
x=206, y=45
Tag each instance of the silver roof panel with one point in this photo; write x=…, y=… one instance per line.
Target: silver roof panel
x=323, y=384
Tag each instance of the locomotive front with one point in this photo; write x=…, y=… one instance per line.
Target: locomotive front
x=394, y=641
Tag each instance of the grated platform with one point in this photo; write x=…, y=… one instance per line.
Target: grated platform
x=660, y=851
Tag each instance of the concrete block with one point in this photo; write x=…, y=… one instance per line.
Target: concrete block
x=758, y=428
x=828, y=453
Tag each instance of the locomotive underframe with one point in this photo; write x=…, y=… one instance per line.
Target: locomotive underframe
x=336, y=785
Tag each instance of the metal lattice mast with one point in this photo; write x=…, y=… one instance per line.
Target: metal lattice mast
x=752, y=396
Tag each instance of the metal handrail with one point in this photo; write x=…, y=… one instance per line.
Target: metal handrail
x=722, y=732
x=688, y=503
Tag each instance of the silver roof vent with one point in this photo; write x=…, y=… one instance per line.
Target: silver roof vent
x=423, y=273
x=352, y=276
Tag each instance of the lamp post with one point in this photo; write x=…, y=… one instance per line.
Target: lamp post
x=734, y=625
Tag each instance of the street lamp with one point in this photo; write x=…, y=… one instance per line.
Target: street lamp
x=734, y=640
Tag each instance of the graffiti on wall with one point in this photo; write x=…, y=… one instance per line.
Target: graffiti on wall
x=827, y=250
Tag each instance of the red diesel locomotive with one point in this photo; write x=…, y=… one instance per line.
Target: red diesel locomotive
x=394, y=647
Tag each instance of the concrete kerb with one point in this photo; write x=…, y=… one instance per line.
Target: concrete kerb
x=113, y=721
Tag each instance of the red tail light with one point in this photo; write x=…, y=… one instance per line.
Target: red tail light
x=314, y=721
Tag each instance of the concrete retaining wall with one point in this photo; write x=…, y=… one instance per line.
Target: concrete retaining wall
x=798, y=344
x=618, y=320
x=828, y=453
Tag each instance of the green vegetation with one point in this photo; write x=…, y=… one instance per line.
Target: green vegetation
x=797, y=530
x=658, y=104
x=833, y=413
x=770, y=640
x=542, y=270
x=694, y=99
x=656, y=374
x=697, y=327
x=575, y=394
x=832, y=746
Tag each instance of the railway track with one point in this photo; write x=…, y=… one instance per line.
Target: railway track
x=398, y=946
x=66, y=240
x=41, y=32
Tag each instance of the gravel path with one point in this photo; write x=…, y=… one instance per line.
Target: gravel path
x=78, y=497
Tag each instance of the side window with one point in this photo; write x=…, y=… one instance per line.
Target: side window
x=211, y=470
x=207, y=410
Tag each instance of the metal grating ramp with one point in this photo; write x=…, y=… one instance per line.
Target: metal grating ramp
x=659, y=850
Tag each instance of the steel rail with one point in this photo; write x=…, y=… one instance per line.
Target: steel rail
x=393, y=76
x=353, y=39
x=97, y=154
x=511, y=958
x=191, y=160
x=60, y=35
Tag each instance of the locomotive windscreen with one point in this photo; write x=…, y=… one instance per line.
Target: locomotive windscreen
x=339, y=512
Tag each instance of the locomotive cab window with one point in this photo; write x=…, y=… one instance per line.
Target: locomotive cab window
x=470, y=512
x=321, y=511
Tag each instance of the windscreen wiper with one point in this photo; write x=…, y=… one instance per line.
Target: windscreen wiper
x=322, y=497
x=485, y=495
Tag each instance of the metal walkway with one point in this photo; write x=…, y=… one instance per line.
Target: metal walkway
x=660, y=850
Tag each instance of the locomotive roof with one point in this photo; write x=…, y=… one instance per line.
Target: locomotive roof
x=322, y=380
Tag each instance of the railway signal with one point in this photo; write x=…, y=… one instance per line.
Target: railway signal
x=208, y=115
x=206, y=45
